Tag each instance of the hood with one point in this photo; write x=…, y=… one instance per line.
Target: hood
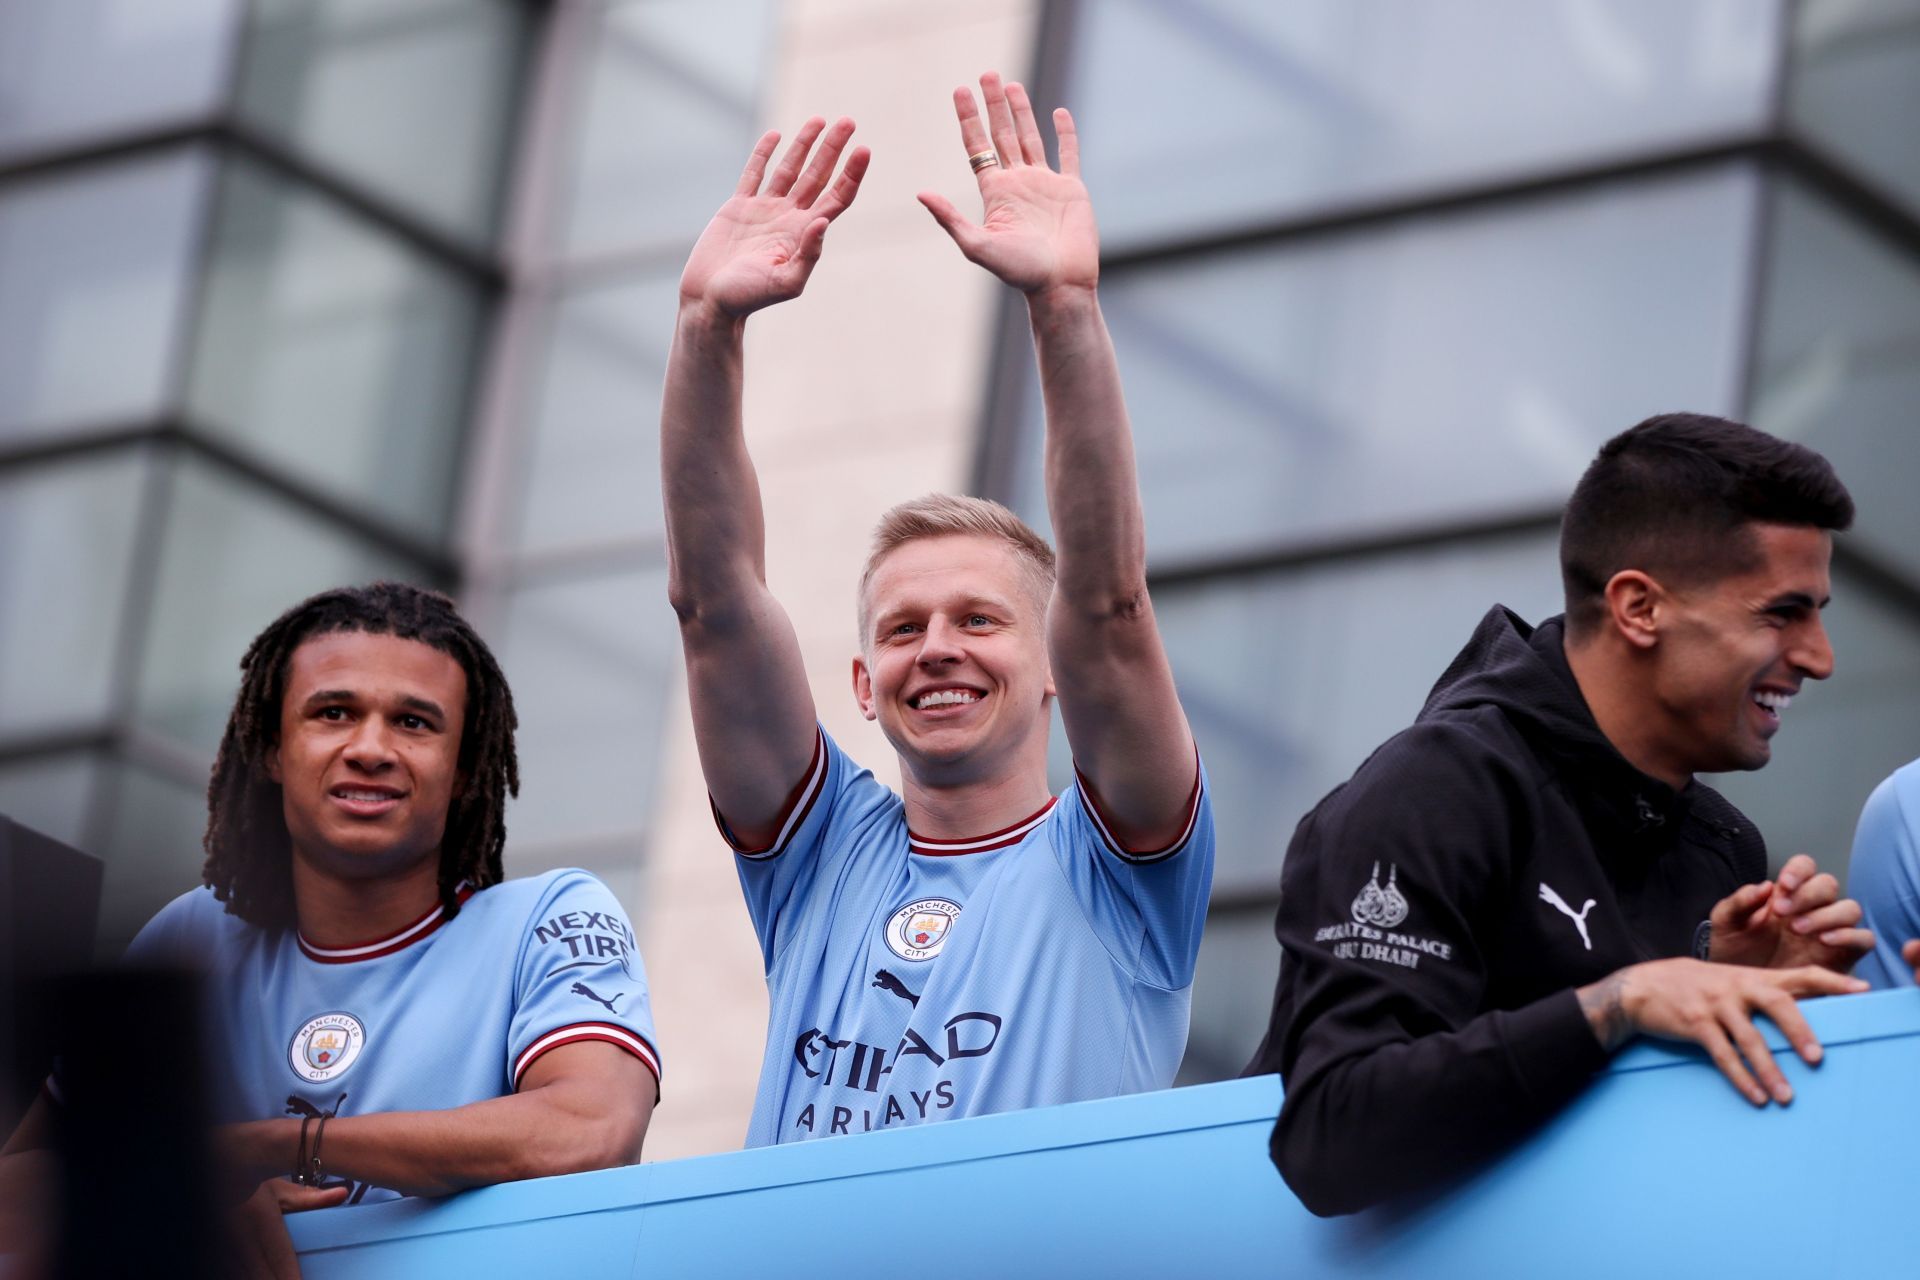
x=1522, y=672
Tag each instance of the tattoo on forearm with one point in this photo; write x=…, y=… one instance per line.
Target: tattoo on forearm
x=1606, y=1012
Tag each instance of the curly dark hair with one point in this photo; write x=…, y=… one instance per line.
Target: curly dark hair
x=249, y=853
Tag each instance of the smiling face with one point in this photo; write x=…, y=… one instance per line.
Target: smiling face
x=955, y=659
x=368, y=755
x=1732, y=653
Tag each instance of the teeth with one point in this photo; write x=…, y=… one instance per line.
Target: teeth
x=946, y=698
x=348, y=794
x=1774, y=702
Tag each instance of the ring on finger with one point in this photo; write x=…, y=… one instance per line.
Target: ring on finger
x=982, y=160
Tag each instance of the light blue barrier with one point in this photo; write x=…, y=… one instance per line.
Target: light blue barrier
x=1660, y=1170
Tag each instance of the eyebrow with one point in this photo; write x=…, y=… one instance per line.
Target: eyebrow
x=412, y=702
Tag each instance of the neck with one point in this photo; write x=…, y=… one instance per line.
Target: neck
x=961, y=810
x=1610, y=685
x=335, y=911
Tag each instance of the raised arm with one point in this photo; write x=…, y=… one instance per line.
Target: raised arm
x=1037, y=233
x=753, y=715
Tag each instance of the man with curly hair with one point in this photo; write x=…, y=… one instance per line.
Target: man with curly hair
x=388, y=1017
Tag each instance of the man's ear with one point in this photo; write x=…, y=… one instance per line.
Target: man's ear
x=1635, y=605
x=863, y=687
x=272, y=761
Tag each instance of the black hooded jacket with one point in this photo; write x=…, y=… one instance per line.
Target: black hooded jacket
x=1438, y=910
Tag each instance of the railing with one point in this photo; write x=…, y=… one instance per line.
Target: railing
x=1659, y=1170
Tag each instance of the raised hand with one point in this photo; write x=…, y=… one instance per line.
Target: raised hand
x=1036, y=229
x=1797, y=919
x=763, y=243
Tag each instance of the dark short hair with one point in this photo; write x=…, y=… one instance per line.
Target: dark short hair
x=249, y=853
x=1676, y=496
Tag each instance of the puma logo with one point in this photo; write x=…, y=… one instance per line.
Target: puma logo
x=582, y=989
x=887, y=982
x=1579, y=918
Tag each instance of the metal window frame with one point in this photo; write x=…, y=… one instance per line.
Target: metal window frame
x=1776, y=149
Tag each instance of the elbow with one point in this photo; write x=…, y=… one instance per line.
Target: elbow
x=1124, y=601
x=1320, y=1173
x=605, y=1142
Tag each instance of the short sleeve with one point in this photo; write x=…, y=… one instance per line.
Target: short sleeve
x=579, y=978
x=1149, y=906
x=824, y=817
x=1884, y=875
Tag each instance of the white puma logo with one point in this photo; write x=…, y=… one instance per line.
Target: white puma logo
x=1559, y=904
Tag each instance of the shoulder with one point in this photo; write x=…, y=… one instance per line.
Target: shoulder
x=1886, y=834
x=1469, y=753
x=531, y=899
x=189, y=929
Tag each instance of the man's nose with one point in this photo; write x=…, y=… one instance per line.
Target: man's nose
x=1813, y=655
x=371, y=746
x=940, y=644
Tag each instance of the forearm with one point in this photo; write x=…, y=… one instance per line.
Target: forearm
x=716, y=533
x=1408, y=1115
x=537, y=1133
x=1093, y=492
x=752, y=712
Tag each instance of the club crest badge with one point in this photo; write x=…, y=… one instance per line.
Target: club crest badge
x=918, y=930
x=1382, y=907
x=326, y=1046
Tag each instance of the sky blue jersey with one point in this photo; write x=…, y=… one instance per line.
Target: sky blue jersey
x=1884, y=874
x=914, y=980
x=436, y=1015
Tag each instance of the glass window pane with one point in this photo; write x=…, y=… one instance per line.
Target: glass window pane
x=74, y=69
x=1232, y=995
x=151, y=849
x=1315, y=103
x=54, y=795
x=233, y=558
x=1426, y=369
x=1841, y=737
x=593, y=468
x=1838, y=364
x=414, y=98
x=667, y=117
x=1291, y=679
x=1855, y=76
x=332, y=350
x=95, y=266
x=591, y=662
x=67, y=535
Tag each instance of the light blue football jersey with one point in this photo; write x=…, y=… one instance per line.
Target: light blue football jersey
x=436, y=1015
x=915, y=980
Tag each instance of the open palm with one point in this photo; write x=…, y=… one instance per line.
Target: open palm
x=762, y=245
x=1036, y=229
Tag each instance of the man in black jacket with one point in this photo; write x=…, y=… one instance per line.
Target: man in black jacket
x=1507, y=891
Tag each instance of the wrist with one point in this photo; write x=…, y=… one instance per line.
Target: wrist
x=1606, y=1006
x=1063, y=300
x=700, y=318
x=255, y=1150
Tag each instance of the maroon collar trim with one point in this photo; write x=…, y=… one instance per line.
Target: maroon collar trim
x=1000, y=839
x=397, y=941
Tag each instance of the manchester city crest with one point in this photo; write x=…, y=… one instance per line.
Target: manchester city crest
x=326, y=1046
x=918, y=930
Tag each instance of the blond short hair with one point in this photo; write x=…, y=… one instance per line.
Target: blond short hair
x=941, y=515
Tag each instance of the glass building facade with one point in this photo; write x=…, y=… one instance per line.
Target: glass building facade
x=300, y=292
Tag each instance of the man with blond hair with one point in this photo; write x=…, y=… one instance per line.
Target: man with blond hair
x=974, y=944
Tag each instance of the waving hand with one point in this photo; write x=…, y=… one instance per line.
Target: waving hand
x=763, y=243
x=1036, y=229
